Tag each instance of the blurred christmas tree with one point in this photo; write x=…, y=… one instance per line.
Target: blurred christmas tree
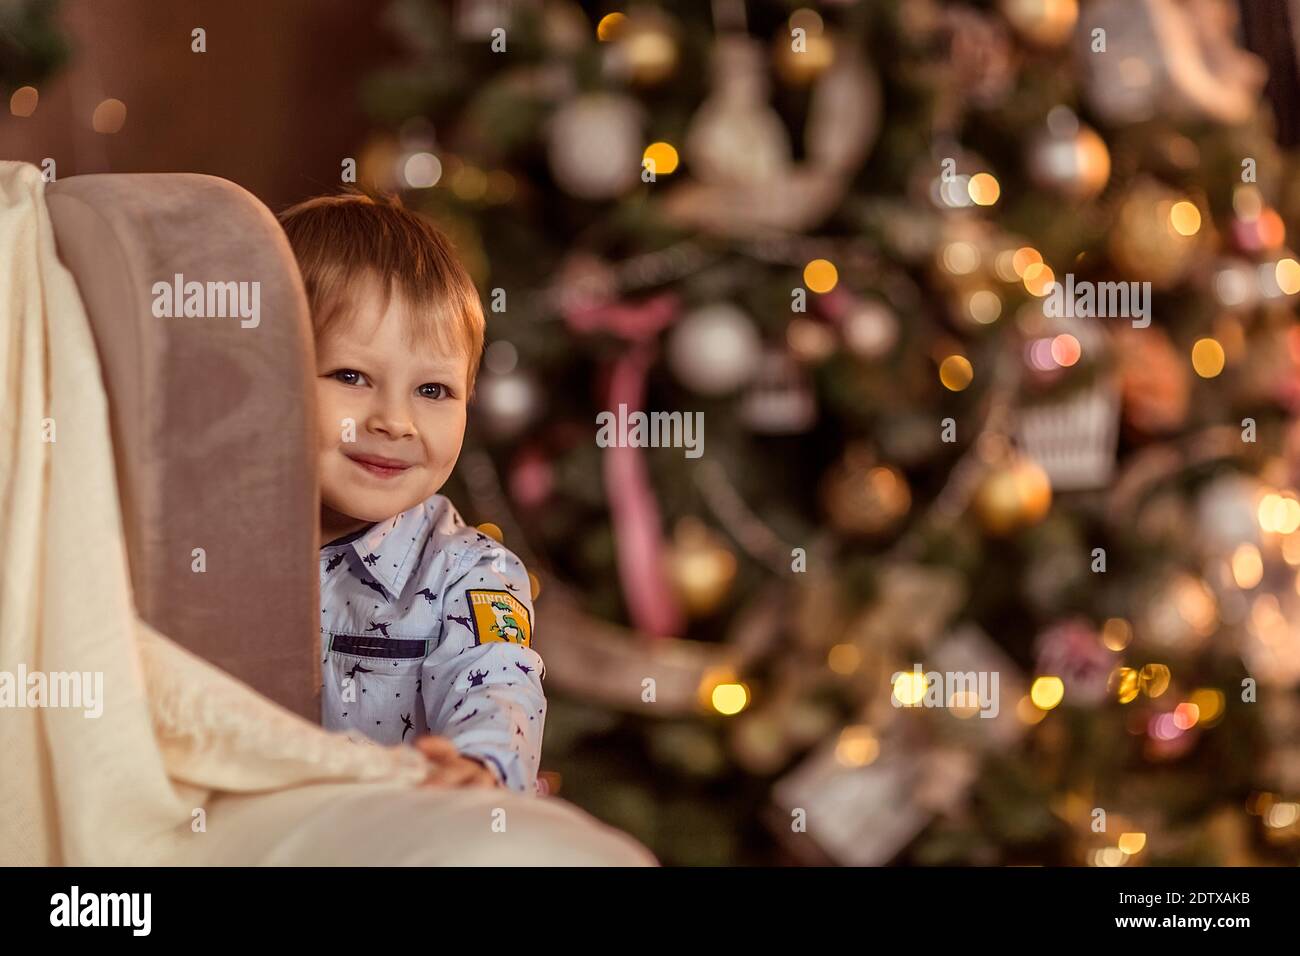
x=32, y=45
x=838, y=234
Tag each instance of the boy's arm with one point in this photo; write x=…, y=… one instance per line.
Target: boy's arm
x=482, y=683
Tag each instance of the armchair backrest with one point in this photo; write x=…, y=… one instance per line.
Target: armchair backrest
x=212, y=415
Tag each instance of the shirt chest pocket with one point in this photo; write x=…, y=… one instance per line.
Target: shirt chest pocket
x=364, y=657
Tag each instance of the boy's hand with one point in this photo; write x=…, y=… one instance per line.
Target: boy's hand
x=450, y=768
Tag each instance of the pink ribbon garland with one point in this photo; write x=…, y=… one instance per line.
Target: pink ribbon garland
x=634, y=509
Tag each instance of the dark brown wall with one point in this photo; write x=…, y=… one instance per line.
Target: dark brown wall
x=271, y=105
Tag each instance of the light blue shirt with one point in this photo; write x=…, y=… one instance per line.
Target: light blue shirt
x=426, y=627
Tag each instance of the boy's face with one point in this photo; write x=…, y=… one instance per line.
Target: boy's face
x=408, y=405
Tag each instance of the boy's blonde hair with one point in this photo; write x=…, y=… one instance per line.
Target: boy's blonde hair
x=343, y=241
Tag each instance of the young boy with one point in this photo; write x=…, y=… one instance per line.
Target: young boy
x=426, y=624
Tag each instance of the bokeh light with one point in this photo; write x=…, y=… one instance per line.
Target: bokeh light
x=983, y=189
x=1185, y=218
x=663, y=158
x=729, y=698
x=1047, y=692
x=956, y=373
x=23, y=101
x=820, y=275
x=1207, y=358
x=109, y=116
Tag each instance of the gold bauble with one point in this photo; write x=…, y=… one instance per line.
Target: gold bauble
x=1013, y=495
x=1073, y=161
x=1046, y=23
x=645, y=48
x=1143, y=241
x=700, y=567
x=862, y=497
x=802, y=68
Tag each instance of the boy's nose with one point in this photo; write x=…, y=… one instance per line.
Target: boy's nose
x=391, y=421
x=392, y=427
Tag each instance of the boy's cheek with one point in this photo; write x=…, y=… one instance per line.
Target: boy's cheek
x=332, y=419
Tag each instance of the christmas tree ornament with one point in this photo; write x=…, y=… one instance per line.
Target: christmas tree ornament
x=1146, y=242
x=809, y=340
x=1180, y=614
x=700, y=566
x=799, y=60
x=862, y=497
x=417, y=163
x=1235, y=284
x=844, y=117
x=1014, y=494
x=715, y=349
x=565, y=27
x=507, y=403
x=862, y=791
x=1072, y=650
x=1256, y=226
x=742, y=179
x=1227, y=513
x=1155, y=383
x=1179, y=60
x=1074, y=438
x=643, y=48
x=779, y=400
x=1074, y=435
x=1045, y=23
x=870, y=329
x=1068, y=157
x=736, y=137
x=594, y=145
x=990, y=724
x=476, y=19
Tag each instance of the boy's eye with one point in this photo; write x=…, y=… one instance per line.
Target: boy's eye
x=433, y=390
x=348, y=376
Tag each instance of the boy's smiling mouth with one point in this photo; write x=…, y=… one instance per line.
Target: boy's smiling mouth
x=379, y=466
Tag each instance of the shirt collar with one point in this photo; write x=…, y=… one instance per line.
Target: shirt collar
x=390, y=549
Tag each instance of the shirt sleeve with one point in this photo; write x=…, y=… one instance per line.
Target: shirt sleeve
x=482, y=683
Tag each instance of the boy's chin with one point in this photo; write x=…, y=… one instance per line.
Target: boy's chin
x=365, y=504
x=370, y=507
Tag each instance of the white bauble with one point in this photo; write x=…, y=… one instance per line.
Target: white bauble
x=715, y=349
x=594, y=146
x=506, y=404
